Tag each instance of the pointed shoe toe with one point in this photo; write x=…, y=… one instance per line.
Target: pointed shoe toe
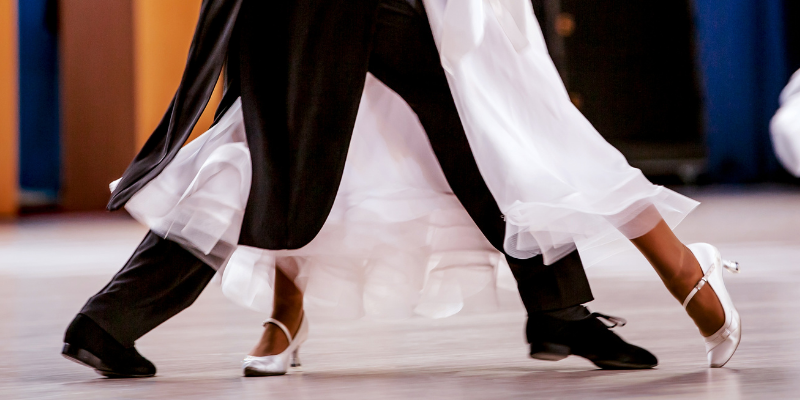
x=721, y=345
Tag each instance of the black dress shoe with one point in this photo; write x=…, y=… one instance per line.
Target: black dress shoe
x=88, y=344
x=554, y=339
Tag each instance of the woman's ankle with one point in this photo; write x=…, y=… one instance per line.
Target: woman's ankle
x=706, y=311
x=291, y=317
x=685, y=278
x=273, y=339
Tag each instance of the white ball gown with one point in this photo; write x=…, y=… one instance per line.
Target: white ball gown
x=397, y=242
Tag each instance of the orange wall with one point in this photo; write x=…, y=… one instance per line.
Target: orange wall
x=162, y=36
x=8, y=108
x=97, y=91
x=121, y=62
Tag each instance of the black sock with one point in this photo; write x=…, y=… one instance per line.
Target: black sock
x=574, y=313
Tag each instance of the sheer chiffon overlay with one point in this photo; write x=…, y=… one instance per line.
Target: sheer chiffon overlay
x=398, y=242
x=558, y=182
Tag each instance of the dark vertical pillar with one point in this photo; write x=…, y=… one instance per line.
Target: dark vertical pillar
x=629, y=67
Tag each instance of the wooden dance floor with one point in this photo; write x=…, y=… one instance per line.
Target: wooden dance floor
x=50, y=265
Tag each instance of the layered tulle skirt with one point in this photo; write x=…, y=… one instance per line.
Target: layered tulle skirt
x=397, y=242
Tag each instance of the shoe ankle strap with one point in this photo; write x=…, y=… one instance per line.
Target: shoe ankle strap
x=283, y=327
x=699, y=285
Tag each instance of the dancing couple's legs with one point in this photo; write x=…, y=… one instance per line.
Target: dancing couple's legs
x=161, y=278
x=405, y=58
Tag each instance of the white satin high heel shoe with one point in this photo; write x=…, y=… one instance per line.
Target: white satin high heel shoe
x=278, y=364
x=721, y=345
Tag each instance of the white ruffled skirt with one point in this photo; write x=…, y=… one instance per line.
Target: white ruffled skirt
x=397, y=242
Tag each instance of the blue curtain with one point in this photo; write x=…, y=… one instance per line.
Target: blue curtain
x=741, y=47
x=39, y=154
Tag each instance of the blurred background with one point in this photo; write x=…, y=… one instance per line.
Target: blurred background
x=684, y=88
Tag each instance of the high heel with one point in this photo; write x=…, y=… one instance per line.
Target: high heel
x=278, y=364
x=722, y=344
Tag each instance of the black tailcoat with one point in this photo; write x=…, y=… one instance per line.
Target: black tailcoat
x=303, y=64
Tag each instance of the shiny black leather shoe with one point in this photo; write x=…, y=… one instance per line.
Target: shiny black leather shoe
x=88, y=344
x=554, y=339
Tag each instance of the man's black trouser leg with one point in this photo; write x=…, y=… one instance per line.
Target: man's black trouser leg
x=404, y=57
x=551, y=287
x=159, y=280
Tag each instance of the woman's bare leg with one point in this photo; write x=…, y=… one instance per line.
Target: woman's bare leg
x=680, y=272
x=288, y=308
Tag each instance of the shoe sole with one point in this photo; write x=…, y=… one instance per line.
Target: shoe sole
x=252, y=372
x=614, y=365
x=551, y=352
x=87, y=359
x=557, y=352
